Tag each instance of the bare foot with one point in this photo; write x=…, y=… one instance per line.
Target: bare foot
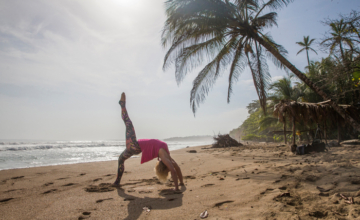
x=123, y=97
x=122, y=100
x=181, y=184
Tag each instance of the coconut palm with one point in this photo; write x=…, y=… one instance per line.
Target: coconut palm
x=339, y=37
x=285, y=89
x=226, y=33
x=306, y=46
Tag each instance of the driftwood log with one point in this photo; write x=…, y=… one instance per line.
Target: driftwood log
x=222, y=141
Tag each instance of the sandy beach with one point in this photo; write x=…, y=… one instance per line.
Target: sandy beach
x=262, y=181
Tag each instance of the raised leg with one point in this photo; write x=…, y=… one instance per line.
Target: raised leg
x=131, y=142
x=132, y=146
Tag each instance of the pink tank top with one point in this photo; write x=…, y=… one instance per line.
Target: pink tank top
x=150, y=149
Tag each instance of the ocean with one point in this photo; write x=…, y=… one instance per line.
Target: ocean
x=24, y=154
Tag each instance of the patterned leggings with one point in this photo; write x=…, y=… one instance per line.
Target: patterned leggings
x=132, y=146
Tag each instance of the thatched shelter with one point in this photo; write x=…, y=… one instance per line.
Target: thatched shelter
x=319, y=113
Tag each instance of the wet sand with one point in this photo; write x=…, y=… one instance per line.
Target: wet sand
x=260, y=181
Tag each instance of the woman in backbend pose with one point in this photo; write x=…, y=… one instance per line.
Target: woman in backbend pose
x=150, y=148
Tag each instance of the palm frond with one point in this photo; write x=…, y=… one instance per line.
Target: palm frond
x=274, y=5
x=300, y=51
x=267, y=20
x=237, y=66
x=207, y=76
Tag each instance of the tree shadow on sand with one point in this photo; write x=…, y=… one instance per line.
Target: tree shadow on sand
x=171, y=199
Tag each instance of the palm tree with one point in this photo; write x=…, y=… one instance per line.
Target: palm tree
x=226, y=33
x=339, y=36
x=285, y=89
x=306, y=46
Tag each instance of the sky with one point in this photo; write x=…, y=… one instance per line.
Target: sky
x=65, y=63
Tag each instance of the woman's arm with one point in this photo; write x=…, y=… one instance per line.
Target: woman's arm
x=166, y=159
x=178, y=172
x=172, y=169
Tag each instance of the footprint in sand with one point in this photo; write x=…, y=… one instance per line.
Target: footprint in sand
x=12, y=190
x=97, y=179
x=101, y=200
x=64, y=178
x=82, y=174
x=189, y=177
x=49, y=191
x=262, y=193
x=110, y=175
x=102, y=187
x=169, y=192
x=85, y=215
x=17, y=177
x=143, y=192
x=221, y=203
x=48, y=184
x=172, y=199
x=69, y=184
x=207, y=185
x=7, y=199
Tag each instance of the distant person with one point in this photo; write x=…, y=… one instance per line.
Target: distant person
x=150, y=149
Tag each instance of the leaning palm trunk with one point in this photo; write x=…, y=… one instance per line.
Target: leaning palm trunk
x=308, y=82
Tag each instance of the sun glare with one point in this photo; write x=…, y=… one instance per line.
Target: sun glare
x=127, y=3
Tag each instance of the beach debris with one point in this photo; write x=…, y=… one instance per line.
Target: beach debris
x=147, y=208
x=204, y=214
x=191, y=151
x=351, y=142
x=223, y=141
x=348, y=200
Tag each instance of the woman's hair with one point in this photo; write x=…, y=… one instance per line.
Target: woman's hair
x=161, y=170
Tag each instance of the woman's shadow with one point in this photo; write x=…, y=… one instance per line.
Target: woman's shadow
x=137, y=205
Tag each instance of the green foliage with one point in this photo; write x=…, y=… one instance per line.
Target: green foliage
x=338, y=75
x=254, y=137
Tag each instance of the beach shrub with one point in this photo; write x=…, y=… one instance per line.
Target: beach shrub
x=254, y=137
